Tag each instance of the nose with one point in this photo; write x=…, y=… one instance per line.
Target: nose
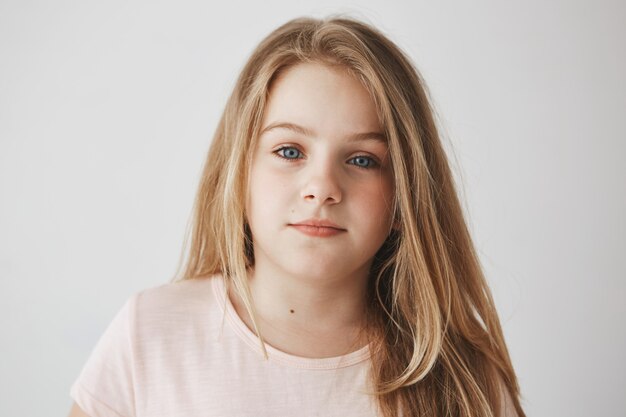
x=321, y=185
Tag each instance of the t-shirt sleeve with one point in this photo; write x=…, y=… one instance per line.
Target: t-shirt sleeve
x=105, y=386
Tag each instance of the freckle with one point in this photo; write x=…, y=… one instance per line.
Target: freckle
x=291, y=311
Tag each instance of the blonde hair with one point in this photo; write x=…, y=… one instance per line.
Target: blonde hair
x=438, y=347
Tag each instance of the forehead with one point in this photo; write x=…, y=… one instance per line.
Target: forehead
x=313, y=98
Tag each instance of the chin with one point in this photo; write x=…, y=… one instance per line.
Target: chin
x=319, y=270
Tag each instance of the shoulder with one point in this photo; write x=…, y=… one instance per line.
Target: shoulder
x=175, y=307
x=178, y=295
x=161, y=334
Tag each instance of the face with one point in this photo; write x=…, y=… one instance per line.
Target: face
x=321, y=160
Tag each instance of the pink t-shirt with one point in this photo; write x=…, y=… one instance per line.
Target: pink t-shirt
x=180, y=349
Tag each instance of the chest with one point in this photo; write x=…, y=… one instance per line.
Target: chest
x=238, y=383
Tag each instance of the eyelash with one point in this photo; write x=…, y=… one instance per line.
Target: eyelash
x=374, y=164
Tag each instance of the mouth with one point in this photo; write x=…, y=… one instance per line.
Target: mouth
x=318, y=227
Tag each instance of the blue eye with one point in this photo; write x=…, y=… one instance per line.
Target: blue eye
x=289, y=152
x=364, y=162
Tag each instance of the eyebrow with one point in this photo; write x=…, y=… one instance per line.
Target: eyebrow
x=376, y=136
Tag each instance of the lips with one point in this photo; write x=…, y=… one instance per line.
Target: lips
x=318, y=227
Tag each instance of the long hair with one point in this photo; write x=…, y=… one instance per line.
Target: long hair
x=437, y=343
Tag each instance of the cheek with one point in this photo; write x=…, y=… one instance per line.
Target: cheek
x=375, y=203
x=378, y=195
x=267, y=191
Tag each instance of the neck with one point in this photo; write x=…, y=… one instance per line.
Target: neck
x=306, y=315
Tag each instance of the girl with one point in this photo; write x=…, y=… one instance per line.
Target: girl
x=330, y=271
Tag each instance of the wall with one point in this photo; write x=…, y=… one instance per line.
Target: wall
x=107, y=110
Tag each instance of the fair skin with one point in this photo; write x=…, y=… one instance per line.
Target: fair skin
x=321, y=279
x=309, y=291
x=321, y=154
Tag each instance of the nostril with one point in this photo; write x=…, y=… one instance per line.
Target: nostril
x=322, y=194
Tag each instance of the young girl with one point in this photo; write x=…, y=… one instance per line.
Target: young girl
x=330, y=271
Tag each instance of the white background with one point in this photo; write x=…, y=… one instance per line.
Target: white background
x=106, y=113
